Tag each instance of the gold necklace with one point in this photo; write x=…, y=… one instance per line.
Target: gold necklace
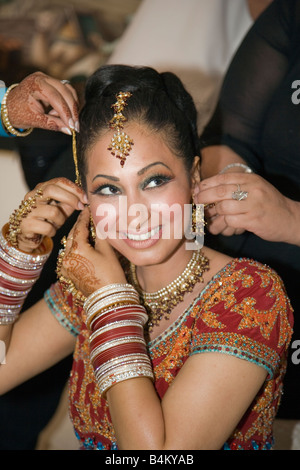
x=160, y=303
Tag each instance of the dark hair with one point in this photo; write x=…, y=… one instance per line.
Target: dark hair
x=159, y=100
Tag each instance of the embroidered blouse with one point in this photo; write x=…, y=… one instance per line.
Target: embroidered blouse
x=243, y=312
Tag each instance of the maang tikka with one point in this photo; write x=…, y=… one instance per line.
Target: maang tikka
x=121, y=143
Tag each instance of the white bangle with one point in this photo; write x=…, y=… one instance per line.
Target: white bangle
x=239, y=165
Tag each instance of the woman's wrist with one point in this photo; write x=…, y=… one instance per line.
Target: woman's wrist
x=6, y=124
x=18, y=273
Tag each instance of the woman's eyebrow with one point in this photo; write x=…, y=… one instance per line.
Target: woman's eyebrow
x=112, y=178
x=143, y=170
x=140, y=172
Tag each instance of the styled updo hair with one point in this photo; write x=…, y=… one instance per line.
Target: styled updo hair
x=159, y=101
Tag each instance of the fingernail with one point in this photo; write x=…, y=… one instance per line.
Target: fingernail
x=85, y=199
x=77, y=127
x=71, y=124
x=196, y=190
x=66, y=130
x=81, y=206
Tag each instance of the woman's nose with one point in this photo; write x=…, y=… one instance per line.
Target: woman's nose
x=137, y=213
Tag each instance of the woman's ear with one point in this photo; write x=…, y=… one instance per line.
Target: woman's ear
x=195, y=173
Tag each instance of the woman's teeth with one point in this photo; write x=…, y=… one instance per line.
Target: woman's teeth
x=142, y=236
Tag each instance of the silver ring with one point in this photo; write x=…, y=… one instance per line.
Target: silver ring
x=65, y=82
x=239, y=195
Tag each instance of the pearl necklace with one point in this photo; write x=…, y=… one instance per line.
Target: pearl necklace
x=161, y=303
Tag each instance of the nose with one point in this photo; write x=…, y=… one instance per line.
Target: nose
x=137, y=213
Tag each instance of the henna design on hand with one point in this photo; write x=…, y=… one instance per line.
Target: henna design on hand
x=82, y=272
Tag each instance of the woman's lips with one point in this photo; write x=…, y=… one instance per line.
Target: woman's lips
x=143, y=236
x=142, y=240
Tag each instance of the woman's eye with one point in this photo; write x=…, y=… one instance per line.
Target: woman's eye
x=107, y=190
x=156, y=181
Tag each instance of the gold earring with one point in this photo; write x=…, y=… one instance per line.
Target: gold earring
x=198, y=221
x=92, y=230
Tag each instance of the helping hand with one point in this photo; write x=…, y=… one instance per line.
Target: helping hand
x=43, y=211
x=265, y=211
x=89, y=268
x=28, y=104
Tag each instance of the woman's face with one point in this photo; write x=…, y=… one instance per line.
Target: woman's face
x=139, y=207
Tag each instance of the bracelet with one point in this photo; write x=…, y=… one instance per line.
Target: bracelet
x=125, y=372
x=234, y=165
x=127, y=312
x=5, y=119
x=117, y=345
x=107, y=298
x=15, y=219
x=3, y=89
x=105, y=291
x=18, y=273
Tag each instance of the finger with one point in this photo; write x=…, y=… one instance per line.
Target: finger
x=42, y=227
x=64, y=192
x=227, y=178
x=61, y=97
x=80, y=231
x=231, y=207
x=216, y=225
x=26, y=103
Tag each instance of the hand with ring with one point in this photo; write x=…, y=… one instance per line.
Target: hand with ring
x=43, y=211
x=245, y=201
x=41, y=101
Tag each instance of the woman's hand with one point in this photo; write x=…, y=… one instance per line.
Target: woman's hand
x=88, y=267
x=55, y=201
x=264, y=211
x=43, y=102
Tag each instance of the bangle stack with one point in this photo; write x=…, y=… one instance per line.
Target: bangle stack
x=118, y=349
x=18, y=273
x=5, y=119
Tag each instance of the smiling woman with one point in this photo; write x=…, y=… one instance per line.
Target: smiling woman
x=174, y=348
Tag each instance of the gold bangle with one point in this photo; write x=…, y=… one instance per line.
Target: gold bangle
x=5, y=119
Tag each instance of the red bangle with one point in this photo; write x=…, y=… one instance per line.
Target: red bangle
x=111, y=317
x=13, y=286
x=118, y=332
x=18, y=272
x=104, y=318
x=7, y=300
x=117, y=351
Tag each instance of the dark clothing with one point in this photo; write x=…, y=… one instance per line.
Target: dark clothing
x=258, y=117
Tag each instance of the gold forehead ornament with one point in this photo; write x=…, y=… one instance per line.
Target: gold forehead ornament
x=121, y=143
